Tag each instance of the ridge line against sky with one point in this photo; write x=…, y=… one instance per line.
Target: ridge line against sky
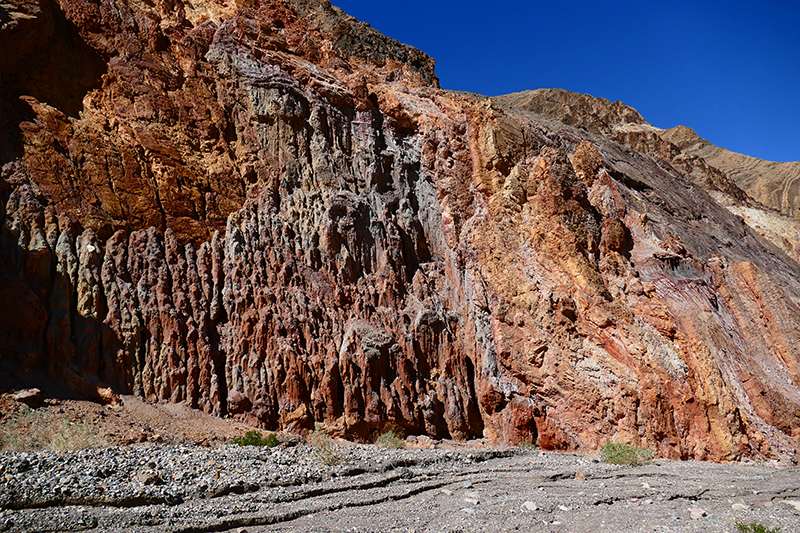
x=728, y=70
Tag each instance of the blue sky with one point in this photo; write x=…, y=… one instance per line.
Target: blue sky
x=729, y=70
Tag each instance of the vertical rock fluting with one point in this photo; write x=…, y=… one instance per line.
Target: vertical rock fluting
x=272, y=212
x=313, y=303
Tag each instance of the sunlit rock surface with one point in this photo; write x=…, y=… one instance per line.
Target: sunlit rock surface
x=268, y=210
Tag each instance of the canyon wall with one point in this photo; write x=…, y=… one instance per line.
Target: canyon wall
x=270, y=211
x=763, y=193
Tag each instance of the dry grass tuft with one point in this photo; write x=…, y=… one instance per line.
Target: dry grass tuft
x=28, y=430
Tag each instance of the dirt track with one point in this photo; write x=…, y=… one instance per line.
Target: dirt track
x=540, y=492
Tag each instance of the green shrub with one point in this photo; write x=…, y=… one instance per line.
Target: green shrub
x=755, y=527
x=254, y=438
x=528, y=446
x=390, y=440
x=624, y=454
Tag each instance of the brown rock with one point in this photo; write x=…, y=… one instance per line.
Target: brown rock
x=274, y=213
x=148, y=477
x=30, y=397
x=614, y=236
x=238, y=403
x=586, y=161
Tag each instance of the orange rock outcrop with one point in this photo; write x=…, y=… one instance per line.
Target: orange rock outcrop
x=268, y=210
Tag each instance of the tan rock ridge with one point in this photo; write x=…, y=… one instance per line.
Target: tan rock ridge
x=763, y=193
x=773, y=184
x=267, y=210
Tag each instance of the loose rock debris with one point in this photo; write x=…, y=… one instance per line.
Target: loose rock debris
x=180, y=488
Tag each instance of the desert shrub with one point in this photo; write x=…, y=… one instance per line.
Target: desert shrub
x=254, y=438
x=74, y=436
x=390, y=440
x=29, y=430
x=324, y=448
x=755, y=527
x=624, y=454
x=528, y=446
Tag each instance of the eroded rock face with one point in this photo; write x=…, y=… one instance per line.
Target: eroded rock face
x=763, y=193
x=271, y=211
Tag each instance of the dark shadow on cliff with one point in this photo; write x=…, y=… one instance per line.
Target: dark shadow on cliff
x=42, y=55
x=64, y=363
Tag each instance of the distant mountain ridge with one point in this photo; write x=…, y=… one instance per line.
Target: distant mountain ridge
x=774, y=184
x=759, y=191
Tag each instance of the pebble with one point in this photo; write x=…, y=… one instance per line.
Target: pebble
x=697, y=512
x=162, y=473
x=529, y=506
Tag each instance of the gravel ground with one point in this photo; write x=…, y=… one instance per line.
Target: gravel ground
x=160, y=487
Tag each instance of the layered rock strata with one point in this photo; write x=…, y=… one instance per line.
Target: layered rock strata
x=268, y=210
x=763, y=193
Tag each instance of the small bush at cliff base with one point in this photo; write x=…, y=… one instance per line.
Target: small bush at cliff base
x=755, y=527
x=390, y=440
x=324, y=448
x=624, y=454
x=254, y=438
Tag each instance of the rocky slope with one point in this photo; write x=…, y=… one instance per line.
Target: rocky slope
x=270, y=211
x=763, y=193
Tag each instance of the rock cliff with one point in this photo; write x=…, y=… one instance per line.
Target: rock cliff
x=763, y=193
x=268, y=210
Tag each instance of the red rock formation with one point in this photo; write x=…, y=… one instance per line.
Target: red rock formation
x=763, y=193
x=269, y=210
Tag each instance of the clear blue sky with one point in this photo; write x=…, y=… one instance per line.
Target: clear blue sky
x=729, y=70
